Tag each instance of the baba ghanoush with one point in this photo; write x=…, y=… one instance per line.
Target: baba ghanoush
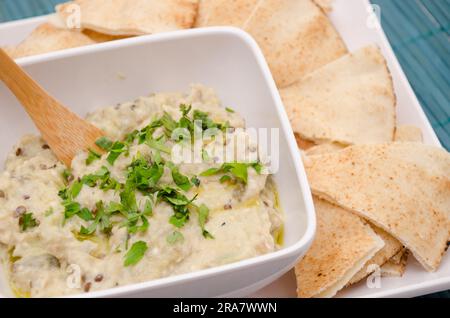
x=130, y=213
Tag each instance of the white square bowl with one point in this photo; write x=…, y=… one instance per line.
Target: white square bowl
x=225, y=59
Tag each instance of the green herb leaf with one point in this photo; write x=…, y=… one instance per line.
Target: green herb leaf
x=142, y=176
x=225, y=178
x=239, y=170
x=178, y=200
x=203, y=213
x=128, y=200
x=67, y=175
x=92, y=156
x=185, y=109
x=75, y=189
x=210, y=172
x=179, y=220
x=158, y=145
x=85, y=214
x=175, y=237
x=49, y=212
x=195, y=181
x=115, y=151
x=102, y=175
x=71, y=209
x=136, y=253
x=148, y=208
x=228, y=109
x=168, y=123
x=115, y=207
x=181, y=180
x=89, y=230
x=104, y=142
x=157, y=157
x=145, y=224
x=258, y=167
x=27, y=221
x=64, y=194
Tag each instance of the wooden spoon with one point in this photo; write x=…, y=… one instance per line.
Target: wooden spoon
x=65, y=132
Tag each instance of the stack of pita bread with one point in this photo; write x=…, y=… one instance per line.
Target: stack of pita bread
x=85, y=22
x=379, y=193
x=361, y=163
x=295, y=35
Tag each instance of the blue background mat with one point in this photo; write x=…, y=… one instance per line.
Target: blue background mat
x=418, y=30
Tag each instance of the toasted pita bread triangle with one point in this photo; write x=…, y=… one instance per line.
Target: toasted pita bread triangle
x=131, y=17
x=408, y=133
x=303, y=144
x=397, y=258
x=325, y=5
x=226, y=12
x=393, y=268
x=403, y=188
x=343, y=244
x=295, y=36
x=48, y=38
x=390, y=249
x=349, y=101
x=58, y=22
x=324, y=148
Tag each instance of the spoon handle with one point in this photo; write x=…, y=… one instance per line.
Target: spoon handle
x=64, y=131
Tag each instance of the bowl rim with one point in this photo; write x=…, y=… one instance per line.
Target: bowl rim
x=294, y=251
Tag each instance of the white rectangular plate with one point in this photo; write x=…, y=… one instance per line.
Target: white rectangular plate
x=354, y=21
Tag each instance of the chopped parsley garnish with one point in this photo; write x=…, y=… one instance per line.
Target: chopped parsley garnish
x=142, y=189
x=135, y=253
x=92, y=156
x=144, y=176
x=158, y=145
x=104, y=142
x=49, y=212
x=75, y=189
x=181, y=180
x=136, y=222
x=238, y=170
x=185, y=109
x=203, y=213
x=225, y=178
x=195, y=181
x=85, y=214
x=175, y=237
x=168, y=123
x=67, y=175
x=230, y=110
x=71, y=209
x=115, y=151
x=180, y=205
x=102, y=178
x=101, y=221
x=148, y=208
x=27, y=221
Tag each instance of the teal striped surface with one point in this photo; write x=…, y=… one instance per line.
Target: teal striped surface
x=20, y=9
x=419, y=34
x=418, y=30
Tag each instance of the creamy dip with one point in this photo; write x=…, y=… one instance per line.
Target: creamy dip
x=99, y=225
